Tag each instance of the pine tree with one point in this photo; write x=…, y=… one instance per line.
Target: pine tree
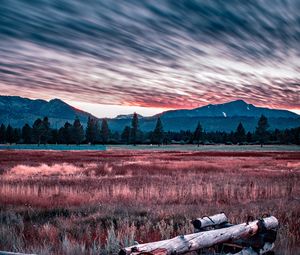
x=104, y=131
x=167, y=138
x=67, y=133
x=240, y=133
x=26, y=134
x=46, y=130
x=78, y=132
x=41, y=131
x=54, y=136
x=262, y=129
x=158, y=133
x=134, y=129
x=125, y=136
x=38, y=130
x=97, y=131
x=17, y=135
x=60, y=136
x=276, y=135
x=2, y=134
x=249, y=137
x=9, y=134
x=198, y=134
x=115, y=137
x=91, y=130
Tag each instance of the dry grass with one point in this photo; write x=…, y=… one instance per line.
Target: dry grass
x=95, y=202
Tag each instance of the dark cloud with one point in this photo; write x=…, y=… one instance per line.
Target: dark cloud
x=152, y=53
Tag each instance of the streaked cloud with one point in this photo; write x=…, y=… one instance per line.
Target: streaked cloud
x=158, y=53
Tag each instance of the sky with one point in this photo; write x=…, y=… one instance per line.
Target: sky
x=114, y=57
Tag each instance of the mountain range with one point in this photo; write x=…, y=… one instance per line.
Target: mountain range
x=213, y=117
x=18, y=110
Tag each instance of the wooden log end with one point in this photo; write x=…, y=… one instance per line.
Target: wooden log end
x=196, y=223
x=208, y=221
x=270, y=222
x=122, y=252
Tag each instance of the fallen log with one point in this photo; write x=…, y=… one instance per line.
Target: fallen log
x=193, y=242
x=209, y=221
x=259, y=240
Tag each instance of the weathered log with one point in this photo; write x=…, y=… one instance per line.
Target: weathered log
x=208, y=221
x=258, y=241
x=192, y=242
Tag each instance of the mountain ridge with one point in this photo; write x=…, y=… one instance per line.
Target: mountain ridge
x=214, y=117
x=230, y=109
x=19, y=110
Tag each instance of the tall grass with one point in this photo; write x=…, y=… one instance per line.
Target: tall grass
x=95, y=203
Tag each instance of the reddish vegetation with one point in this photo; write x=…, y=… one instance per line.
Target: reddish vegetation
x=97, y=201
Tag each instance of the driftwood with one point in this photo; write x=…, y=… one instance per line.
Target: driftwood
x=208, y=221
x=193, y=242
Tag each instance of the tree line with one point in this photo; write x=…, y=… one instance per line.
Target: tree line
x=99, y=133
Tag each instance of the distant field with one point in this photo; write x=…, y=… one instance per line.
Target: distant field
x=220, y=147
x=94, y=202
x=188, y=147
x=58, y=147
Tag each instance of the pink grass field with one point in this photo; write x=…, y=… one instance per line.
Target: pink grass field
x=90, y=202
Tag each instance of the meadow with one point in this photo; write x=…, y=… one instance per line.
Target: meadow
x=94, y=202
